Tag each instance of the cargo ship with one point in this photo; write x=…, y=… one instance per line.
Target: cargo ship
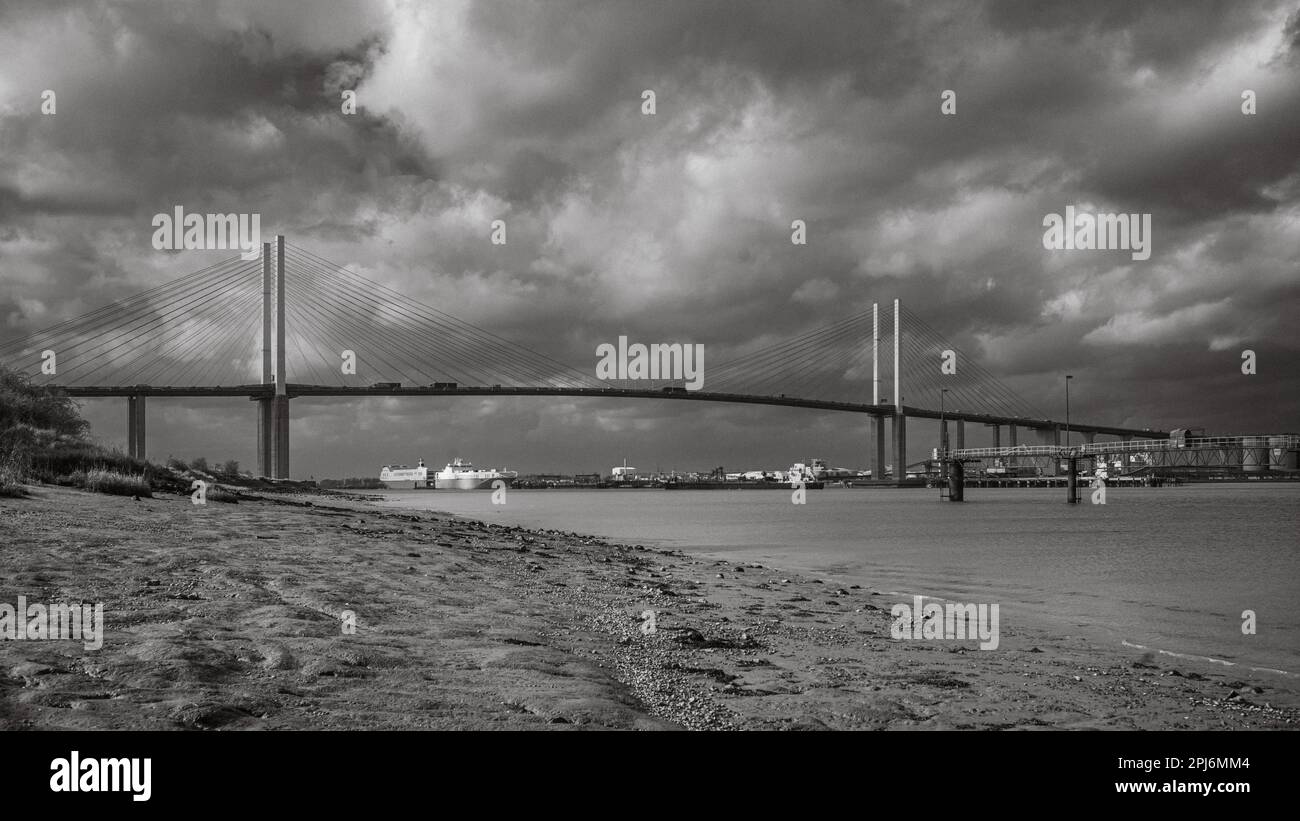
x=459, y=474
x=401, y=475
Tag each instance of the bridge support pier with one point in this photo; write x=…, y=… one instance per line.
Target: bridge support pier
x=265, y=439
x=130, y=426
x=997, y=440
x=956, y=481
x=135, y=427
x=961, y=434
x=280, y=435
x=1089, y=437
x=878, y=448
x=1051, y=437
x=900, y=448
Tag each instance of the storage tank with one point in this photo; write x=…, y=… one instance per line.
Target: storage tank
x=1254, y=454
x=1282, y=456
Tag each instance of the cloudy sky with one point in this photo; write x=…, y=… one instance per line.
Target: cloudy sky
x=676, y=226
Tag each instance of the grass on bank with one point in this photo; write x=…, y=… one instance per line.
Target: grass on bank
x=109, y=481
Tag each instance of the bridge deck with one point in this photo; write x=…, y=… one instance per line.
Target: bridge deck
x=266, y=391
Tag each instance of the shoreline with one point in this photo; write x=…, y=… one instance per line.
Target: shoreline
x=228, y=616
x=1187, y=646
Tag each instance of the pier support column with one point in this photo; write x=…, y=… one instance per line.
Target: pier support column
x=1089, y=437
x=997, y=436
x=1052, y=438
x=956, y=482
x=131, y=433
x=280, y=433
x=961, y=435
x=900, y=448
x=878, y=448
x=135, y=427
x=140, y=428
x=265, y=439
x=1011, y=442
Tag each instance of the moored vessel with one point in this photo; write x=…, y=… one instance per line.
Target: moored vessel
x=401, y=475
x=459, y=474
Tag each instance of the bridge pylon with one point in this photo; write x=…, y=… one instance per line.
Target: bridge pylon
x=265, y=425
x=877, y=421
x=900, y=420
x=273, y=412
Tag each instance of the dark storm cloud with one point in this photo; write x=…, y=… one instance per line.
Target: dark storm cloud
x=677, y=226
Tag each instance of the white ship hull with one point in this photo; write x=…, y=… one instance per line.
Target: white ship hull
x=459, y=474
x=403, y=477
x=470, y=482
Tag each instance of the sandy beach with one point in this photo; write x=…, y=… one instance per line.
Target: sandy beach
x=230, y=616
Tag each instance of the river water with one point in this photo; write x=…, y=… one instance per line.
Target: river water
x=1169, y=569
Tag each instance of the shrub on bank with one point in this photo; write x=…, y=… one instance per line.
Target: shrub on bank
x=44, y=439
x=26, y=406
x=11, y=482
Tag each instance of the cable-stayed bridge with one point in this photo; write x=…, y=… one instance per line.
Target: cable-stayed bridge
x=285, y=325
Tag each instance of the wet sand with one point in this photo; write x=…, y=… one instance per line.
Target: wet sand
x=229, y=616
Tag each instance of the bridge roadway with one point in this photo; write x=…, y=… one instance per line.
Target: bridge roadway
x=267, y=391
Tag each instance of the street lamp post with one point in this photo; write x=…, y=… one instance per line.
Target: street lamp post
x=943, y=423
x=943, y=437
x=1068, y=377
